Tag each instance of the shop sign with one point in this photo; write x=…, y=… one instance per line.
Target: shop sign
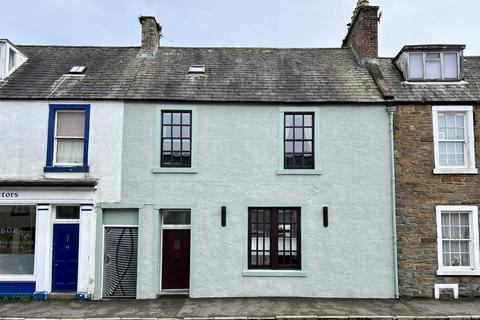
x=8, y=195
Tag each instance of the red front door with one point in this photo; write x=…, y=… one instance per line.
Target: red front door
x=176, y=259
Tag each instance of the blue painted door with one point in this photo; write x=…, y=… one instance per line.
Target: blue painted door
x=65, y=257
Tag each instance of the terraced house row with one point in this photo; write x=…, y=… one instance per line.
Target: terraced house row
x=239, y=172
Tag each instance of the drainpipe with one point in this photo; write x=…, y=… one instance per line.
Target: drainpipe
x=391, y=110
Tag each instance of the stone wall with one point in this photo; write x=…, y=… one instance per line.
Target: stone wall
x=419, y=191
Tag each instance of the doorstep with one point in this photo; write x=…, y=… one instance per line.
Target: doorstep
x=61, y=295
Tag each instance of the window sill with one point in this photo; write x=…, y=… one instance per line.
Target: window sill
x=66, y=169
x=17, y=278
x=455, y=171
x=174, y=170
x=274, y=273
x=458, y=272
x=435, y=82
x=299, y=172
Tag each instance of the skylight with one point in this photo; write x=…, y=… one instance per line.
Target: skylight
x=77, y=70
x=196, y=69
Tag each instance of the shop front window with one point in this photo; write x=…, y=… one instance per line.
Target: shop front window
x=17, y=239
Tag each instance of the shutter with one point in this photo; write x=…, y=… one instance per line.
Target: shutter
x=120, y=262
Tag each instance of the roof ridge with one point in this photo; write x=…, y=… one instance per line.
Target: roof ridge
x=180, y=47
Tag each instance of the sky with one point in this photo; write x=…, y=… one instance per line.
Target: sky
x=238, y=23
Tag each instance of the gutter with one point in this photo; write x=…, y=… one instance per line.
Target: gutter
x=391, y=111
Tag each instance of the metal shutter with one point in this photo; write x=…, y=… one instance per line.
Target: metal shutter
x=120, y=262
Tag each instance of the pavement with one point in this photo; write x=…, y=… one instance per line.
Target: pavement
x=243, y=309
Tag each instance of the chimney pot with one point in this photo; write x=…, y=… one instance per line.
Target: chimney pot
x=151, y=34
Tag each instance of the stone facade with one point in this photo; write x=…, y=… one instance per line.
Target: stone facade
x=418, y=192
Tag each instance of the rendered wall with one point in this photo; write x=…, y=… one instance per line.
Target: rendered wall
x=24, y=133
x=237, y=159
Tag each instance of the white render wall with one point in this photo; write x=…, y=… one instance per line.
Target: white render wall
x=237, y=158
x=24, y=133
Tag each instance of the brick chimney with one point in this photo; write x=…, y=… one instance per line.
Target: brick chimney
x=151, y=33
x=362, y=33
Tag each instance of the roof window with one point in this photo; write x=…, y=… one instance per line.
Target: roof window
x=196, y=69
x=77, y=70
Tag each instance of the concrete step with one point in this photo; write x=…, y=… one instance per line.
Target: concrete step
x=61, y=296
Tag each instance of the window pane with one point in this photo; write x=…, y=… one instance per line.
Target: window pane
x=167, y=118
x=185, y=118
x=67, y=212
x=185, y=131
x=167, y=145
x=70, y=124
x=289, y=133
x=308, y=122
x=12, y=59
x=17, y=239
x=70, y=151
x=432, y=55
x=298, y=120
x=289, y=147
x=289, y=120
x=298, y=133
x=176, y=145
x=176, y=216
x=176, y=118
x=433, y=70
x=167, y=131
x=298, y=147
x=307, y=147
x=415, y=66
x=450, y=66
x=307, y=133
x=176, y=131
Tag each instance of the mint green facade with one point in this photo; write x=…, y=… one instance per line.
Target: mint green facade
x=238, y=164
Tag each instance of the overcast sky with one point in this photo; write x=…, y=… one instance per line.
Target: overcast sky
x=239, y=23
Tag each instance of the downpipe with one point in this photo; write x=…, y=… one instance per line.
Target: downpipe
x=391, y=111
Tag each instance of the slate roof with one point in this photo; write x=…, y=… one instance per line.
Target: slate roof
x=467, y=91
x=233, y=75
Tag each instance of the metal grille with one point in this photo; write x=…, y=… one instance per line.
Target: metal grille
x=120, y=262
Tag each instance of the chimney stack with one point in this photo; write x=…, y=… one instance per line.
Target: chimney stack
x=151, y=33
x=362, y=33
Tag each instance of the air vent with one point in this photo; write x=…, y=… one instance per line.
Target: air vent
x=77, y=70
x=196, y=69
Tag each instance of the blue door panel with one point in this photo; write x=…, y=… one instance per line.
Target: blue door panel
x=65, y=257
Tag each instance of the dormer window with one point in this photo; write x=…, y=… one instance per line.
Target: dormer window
x=10, y=58
x=433, y=66
x=431, y=63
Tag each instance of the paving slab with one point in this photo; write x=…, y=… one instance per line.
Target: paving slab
x=181, y=308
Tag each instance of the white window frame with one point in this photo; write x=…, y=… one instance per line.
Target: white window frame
x=442, y=71
x=55, y=138
x=474, y=268
x=470, y=167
